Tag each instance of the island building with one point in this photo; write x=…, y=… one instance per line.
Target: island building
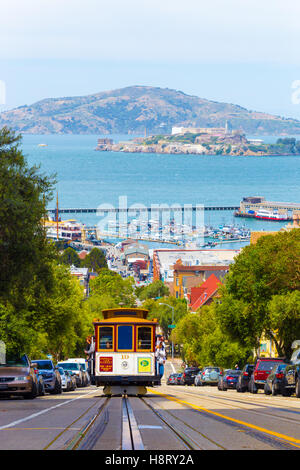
x=102, y=143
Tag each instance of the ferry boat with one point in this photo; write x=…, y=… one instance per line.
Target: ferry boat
x=267, y=215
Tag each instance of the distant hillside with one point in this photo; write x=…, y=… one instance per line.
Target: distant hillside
x=134, y=109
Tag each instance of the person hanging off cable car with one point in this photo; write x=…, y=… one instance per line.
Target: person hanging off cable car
x=160, y=355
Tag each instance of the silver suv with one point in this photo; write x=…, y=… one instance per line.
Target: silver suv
x=209, y=375
x=50, y=374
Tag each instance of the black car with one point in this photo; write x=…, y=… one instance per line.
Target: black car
x=177, y=380
x=171, y=380
x=51, y=376
x=229, y=379
x=276, y=380
x=244, y=378
x=291, y=382
x=188, y=375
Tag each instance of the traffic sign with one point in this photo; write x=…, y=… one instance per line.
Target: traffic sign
x=171, y=326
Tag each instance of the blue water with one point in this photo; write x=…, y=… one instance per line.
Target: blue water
x=86, y=178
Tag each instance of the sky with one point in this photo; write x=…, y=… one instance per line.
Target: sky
x=238, y=51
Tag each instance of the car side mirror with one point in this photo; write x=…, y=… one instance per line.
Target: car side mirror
x=34, y=365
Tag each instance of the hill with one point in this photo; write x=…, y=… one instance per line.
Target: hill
x=134, y=109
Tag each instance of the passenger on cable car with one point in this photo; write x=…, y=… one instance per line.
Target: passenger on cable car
x=160, y=354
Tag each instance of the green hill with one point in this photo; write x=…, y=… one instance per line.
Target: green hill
x=134, y=109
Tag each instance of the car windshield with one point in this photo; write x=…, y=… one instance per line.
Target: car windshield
x=267, y=365
x=209, y=369
x=69, y=366
x=43, y=365
x=13, y=360
x=234, y=372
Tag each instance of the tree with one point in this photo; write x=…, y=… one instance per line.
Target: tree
x=284, y=314
x=111, y=289
x=70, y=257
x=153, y=290
x=24, y=193
x=204, y=342
x=95, y=260
x=164, y=313
x=261, y=271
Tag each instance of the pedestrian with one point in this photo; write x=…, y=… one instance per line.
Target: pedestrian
x=160, y=355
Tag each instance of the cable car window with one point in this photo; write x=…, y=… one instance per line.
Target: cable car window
x=144, y=338
x=125, y=338
x=106, y=337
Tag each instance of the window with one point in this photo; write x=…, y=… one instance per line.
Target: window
x=125, y=342
x=144, y=338
x=105, y=337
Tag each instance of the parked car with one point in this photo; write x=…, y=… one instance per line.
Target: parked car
x=178, y=379
x=84, y=367
x=291, y=383
x=41, y=383
x=72, y=380
x=188, y=375
x=17, y=376
x=244, y=378
x=51, y=376
x=74, y=368
x=197, y=378
x=229, y=379
x=275, y=381
x=171, y=380
x=210, y=375
x=261, y=370
x=66, y=382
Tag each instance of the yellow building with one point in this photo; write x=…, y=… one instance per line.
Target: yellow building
x=186, y=277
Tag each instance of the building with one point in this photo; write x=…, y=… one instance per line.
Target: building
x=204, y=295
x=194, y=266
x=135, y=252
x=200, y=130
x=188, y=277
x=249, y=205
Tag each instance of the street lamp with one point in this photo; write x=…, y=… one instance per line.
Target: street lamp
x=161, y=303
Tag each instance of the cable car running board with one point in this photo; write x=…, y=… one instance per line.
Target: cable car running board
x=131, y=436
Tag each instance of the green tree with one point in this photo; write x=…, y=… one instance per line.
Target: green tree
x=153, y=290
x=284, y=315
x=70, y=257
x=111, y=290
x=24, y=193
x=260, y=271
x=95, y=260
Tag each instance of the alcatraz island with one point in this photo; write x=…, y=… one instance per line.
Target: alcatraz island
x=203, y=141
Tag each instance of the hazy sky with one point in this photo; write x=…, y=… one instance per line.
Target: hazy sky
x=239, y=51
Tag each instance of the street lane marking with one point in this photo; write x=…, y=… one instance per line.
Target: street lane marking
x=14, y=423
x=243, y=423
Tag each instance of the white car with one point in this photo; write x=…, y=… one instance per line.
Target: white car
x=66, y=382
x=74, y=368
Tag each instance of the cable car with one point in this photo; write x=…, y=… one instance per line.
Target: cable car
x=124, y=357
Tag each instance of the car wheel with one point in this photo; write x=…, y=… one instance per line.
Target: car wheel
x=267, y=389
x=286, y=392
x=274, y=391
x=33, y=394
x=297, y=388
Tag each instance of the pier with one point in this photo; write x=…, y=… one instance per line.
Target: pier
x=148, y=210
